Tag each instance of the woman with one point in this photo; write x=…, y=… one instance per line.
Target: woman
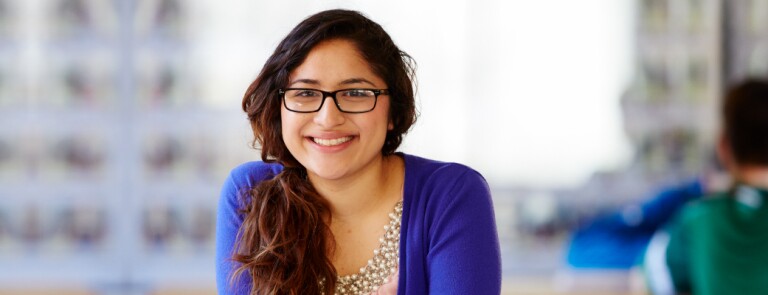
x=333, y=208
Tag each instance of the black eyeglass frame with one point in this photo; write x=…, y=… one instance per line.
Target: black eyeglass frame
x=332, y=94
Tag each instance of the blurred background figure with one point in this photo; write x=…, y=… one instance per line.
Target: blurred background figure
x=686, y=52
x=120, y=119
x=715, y=245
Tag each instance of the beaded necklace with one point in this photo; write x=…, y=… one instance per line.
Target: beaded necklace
x=383, y=264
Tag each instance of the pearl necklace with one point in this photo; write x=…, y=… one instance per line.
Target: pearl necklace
x=383, y=264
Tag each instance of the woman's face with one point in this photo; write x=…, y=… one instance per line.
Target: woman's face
x=330, y=144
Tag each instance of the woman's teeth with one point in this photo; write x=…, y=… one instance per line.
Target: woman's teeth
x=331, y=142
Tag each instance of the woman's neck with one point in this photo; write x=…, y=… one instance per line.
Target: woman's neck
x=365, y=191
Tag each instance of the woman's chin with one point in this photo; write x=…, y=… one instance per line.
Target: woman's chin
x=327, y=174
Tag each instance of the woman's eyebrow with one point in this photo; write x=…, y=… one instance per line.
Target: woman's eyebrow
x=355, y=81
x=345, y=82
x=305, y=81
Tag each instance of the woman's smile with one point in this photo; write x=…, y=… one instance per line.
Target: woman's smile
x=332, y=141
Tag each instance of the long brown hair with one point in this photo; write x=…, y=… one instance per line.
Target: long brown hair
x=285, y=242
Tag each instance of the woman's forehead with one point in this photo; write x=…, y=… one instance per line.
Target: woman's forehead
x=334, y=62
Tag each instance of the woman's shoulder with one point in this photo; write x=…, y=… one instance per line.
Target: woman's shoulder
x=427, y=169
x=250, y=174
x=437, y=182
x=257, y=168
x=444, y=200
x=243, y=178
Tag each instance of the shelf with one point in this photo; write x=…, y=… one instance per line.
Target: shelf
x=105, y=58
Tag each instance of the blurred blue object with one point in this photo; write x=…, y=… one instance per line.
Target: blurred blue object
x=618, y=240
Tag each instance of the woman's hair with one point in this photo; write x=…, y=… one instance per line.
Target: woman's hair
x=285, y=242
x=745, y=121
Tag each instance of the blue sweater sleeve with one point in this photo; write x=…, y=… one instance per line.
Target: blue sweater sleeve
x=228, y=222
x=464, y=255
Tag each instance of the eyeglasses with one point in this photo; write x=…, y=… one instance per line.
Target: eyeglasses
x=307, y=100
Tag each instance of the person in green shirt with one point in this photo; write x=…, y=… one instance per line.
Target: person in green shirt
x=719, y=244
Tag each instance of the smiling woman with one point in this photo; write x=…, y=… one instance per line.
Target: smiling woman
x=332, y=207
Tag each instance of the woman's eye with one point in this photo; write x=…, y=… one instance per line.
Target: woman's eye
x=356, y=93
x=307, y=93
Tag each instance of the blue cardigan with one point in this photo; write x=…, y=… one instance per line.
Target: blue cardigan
x=448, y=239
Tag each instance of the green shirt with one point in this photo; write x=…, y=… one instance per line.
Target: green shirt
x=719, y=245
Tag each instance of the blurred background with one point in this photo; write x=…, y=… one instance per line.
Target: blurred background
x=119, y=120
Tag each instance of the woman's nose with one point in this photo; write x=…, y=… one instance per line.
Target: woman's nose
x=329, y=114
